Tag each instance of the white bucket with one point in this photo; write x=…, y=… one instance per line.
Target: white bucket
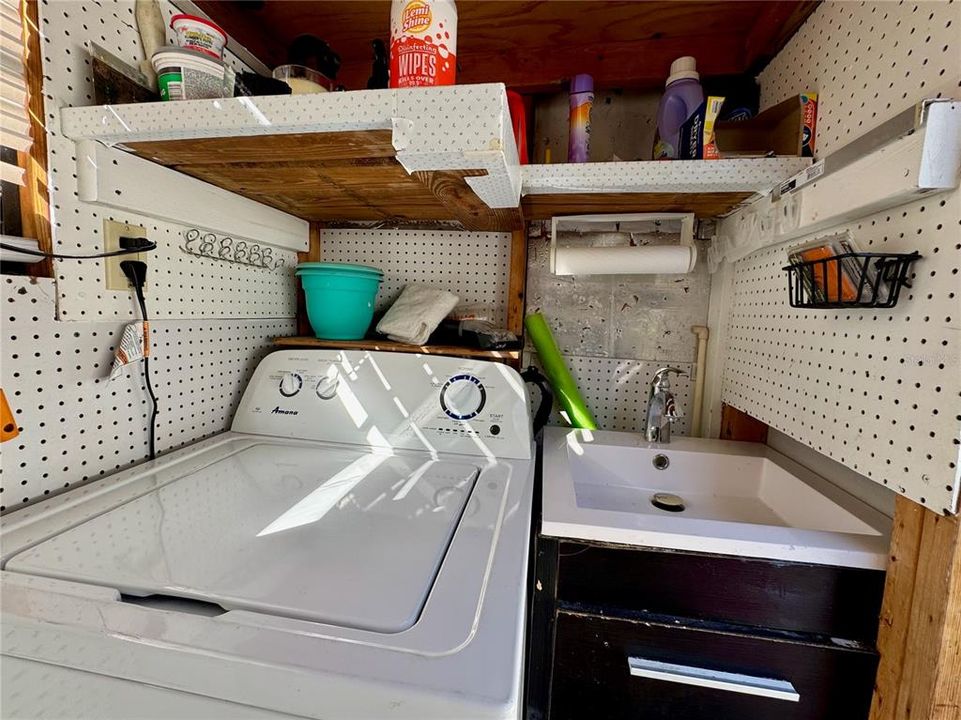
x=189, y=75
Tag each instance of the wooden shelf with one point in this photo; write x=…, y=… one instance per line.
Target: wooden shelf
x=388, y=156
x=537, y=46
x=391, y=157
x=391, y=346
x=707, y=188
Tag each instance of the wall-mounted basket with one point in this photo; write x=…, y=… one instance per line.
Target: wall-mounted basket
x=849, y=280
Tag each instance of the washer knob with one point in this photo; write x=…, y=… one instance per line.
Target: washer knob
x=463, y=397
x=327, y=387
x=290, y=384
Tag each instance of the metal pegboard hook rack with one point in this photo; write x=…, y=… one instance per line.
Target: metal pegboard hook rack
x=225, y=248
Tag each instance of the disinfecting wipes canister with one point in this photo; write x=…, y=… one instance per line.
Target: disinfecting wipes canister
x=423, y=43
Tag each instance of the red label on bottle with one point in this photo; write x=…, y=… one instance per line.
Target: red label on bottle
x=423, y=43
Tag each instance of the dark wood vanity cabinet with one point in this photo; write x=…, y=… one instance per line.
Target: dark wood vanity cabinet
x=619, y=632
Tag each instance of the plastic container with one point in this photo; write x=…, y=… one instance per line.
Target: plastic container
x=340, y=298
x=682, y=96
x=423, y=43
x=196, y=33
x=190, y=75
x=582, y=100
x=302, y=79
x=552, y=362
x=515, y=103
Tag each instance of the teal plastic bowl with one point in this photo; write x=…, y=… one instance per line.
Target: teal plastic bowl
x=340, y=298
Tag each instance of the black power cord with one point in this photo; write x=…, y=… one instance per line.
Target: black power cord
x=128, y=246
x=136, y=272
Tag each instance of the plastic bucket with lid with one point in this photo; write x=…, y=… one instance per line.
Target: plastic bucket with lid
x=196, y=33
x=189, y=75
x=340, y=298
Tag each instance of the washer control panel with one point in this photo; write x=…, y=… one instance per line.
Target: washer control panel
x=415, y=402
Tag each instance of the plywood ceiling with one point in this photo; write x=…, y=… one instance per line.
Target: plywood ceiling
x=536, y=46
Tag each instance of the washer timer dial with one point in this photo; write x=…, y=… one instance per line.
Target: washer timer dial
x=463, y=397
x=290, y=384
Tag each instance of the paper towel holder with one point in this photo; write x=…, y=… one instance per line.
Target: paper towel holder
x=621, y=223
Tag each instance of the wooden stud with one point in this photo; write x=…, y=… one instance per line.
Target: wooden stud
x=34, y=196
x=919, y=638
x=896, y=607
x=312, y=255
x=738, y=425
x=517, y=283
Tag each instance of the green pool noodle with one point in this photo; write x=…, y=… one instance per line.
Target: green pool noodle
x=565, y=389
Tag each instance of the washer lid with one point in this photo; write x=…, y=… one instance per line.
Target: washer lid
x=345, y=537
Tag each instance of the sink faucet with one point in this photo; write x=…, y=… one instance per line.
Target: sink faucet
x=661, y=411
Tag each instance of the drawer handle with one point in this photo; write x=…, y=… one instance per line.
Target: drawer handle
x=717, y=679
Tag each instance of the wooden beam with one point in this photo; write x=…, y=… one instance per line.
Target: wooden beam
x=462, y=203
x=517, y=283
x=34, y=195
x=312, y=255
x=545, y=206
x=532, y=44
x=920, y=640
x=772, y=29
x=738, y=425
x=896, y=608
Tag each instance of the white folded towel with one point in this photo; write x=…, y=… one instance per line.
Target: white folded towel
x=416, y=313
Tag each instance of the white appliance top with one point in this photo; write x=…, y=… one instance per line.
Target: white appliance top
x=365, y=526
x=319, y=534
x=389, y=400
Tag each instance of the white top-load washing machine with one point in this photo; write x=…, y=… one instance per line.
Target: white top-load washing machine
x=354, y=547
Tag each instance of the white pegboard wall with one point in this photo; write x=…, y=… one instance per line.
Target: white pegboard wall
x=76, y=424
x=867, y=61
x=181, y=286
x=616, y=389
x=475, y=266
x=877, y=390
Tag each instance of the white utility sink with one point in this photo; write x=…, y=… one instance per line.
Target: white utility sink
x=715, y=496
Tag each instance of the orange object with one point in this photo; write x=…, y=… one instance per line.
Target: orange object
x=832, y=268
x=8, y=424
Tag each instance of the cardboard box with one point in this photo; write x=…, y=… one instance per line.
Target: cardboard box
x=788, y=129
x=696, y=140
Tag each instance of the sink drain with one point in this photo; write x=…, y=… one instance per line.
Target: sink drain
x=668, y=502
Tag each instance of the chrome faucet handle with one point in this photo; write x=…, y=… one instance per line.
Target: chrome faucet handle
x=670, y=410
x=662, y=376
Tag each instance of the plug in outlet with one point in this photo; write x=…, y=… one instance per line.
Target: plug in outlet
x=112, y=232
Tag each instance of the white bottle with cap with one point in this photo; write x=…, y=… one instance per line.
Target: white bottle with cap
x=682, y=96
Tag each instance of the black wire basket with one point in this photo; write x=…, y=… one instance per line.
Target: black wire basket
x=849, y=280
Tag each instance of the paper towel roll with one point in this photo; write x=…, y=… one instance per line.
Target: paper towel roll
x=647, y=260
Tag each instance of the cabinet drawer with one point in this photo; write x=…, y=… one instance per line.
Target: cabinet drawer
x=834, y=601
x=709, y=674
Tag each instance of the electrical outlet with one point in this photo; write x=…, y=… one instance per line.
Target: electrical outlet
x=112, y=232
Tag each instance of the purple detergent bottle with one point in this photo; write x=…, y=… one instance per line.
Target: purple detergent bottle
x=681, y=98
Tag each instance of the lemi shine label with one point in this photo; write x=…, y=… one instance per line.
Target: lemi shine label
x=423, y=43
